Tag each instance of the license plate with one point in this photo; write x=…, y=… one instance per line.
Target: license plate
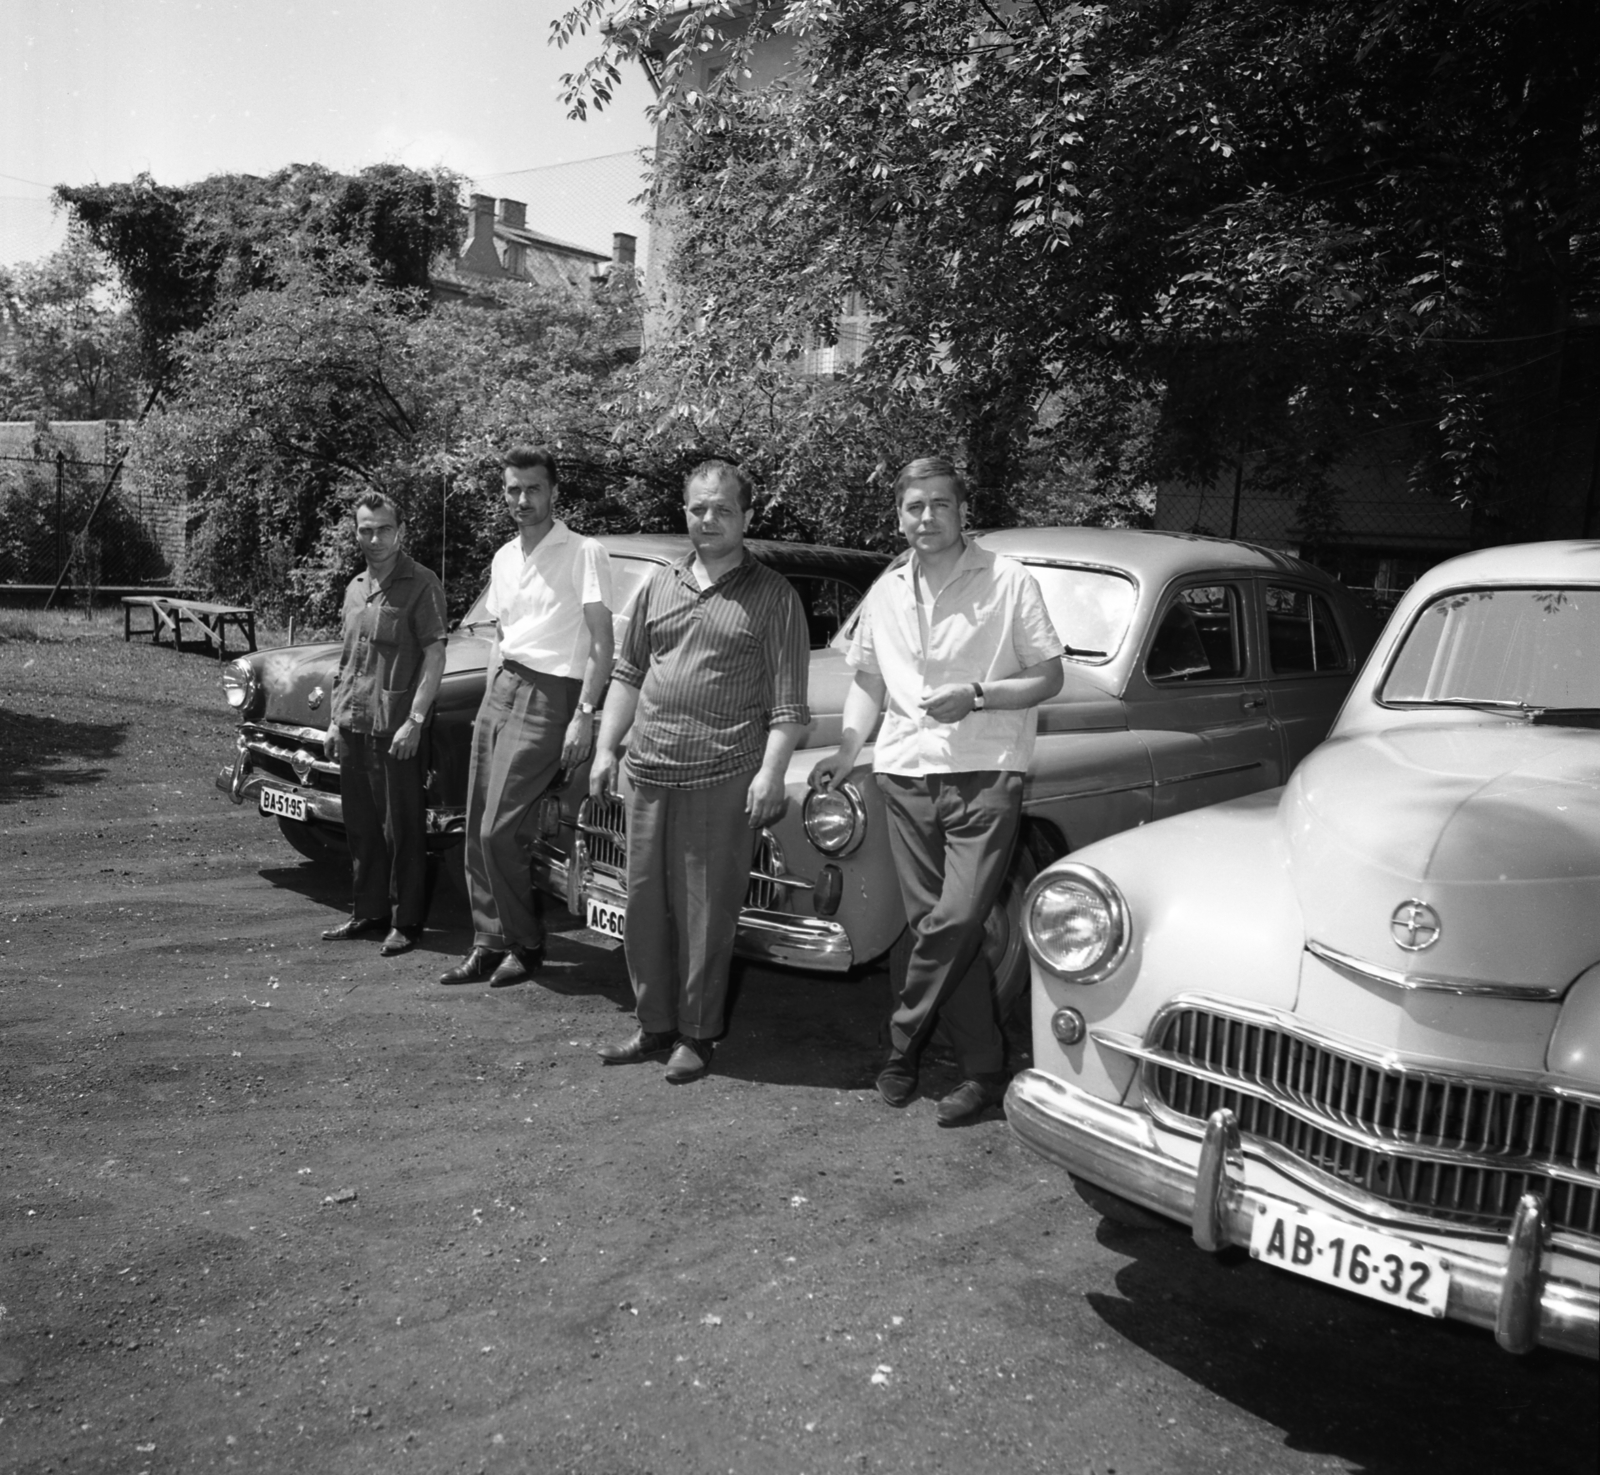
x=604, y=918
x=290, y=806
x=1355, y=1259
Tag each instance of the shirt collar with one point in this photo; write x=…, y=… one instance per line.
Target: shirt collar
x=686, y=572
x=404, y=568
x=973, y=557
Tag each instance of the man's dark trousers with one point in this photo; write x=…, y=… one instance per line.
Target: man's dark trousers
x=516, y=754
x=952, y=835
x=384, y=819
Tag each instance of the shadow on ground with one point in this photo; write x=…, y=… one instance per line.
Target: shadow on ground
x=40, y=756
x=1339, y=1365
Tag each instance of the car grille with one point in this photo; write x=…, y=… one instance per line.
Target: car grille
x=272, y=748
x=604, y=823
x=1469, y=1124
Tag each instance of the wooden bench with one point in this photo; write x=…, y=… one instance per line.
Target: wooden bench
x=168, y=614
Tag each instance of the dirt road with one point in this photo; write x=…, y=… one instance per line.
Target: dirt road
x=272, y=1204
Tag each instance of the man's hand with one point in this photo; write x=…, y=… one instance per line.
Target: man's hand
x=603, y=774
x=827, y=772
x=765, y=801
x=330, y=744
x=406, y=739
x=579, y=742
x=949, y=703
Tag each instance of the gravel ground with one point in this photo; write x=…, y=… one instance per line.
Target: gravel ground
x=274, y=1204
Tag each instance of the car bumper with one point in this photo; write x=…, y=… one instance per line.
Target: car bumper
x=1120, y=1150
x=813, y=944
x=445, y=827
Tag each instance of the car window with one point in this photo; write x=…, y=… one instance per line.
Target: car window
x=1199, y=638
x=1090, y=608
x=1302, y=638
x=827, y=603
x=1511, y=647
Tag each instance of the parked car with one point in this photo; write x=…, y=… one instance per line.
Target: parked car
x=1353, y=1025
x=282, y=695
x=1197, y=670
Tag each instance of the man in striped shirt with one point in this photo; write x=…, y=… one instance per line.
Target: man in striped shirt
x=711, y=684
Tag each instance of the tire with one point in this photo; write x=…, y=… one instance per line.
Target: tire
x=313, y=842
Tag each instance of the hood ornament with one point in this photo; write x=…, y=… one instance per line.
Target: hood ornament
x=315, y=699
x=1415, y=926
x=301, y=762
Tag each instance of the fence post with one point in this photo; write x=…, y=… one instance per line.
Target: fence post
x=61, y=477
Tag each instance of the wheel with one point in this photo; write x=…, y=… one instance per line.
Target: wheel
x=1002, y=943
x=313, y=842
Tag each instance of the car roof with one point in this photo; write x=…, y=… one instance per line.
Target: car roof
x=1571, y=561
x=794, y=558
x=1154, y=555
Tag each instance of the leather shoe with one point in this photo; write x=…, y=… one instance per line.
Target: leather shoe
x=475, y=967
x=399, y=940
x=972, y=1098
x=356, y=927
x=640, y=1043
x=517, y=967
x=897, y=1081
x=690, y=1061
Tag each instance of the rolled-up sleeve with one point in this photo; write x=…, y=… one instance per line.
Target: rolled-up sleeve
x=861, y=654
x=1033, y=635
x=429, y=622
x=788, y=651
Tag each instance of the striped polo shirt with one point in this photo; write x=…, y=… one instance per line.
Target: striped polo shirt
x=716, y=668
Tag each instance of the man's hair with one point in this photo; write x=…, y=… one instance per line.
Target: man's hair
x=722, y=471
x=526, y=458
x=377, y=502
x=927, y=468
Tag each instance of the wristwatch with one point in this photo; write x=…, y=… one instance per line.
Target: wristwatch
x=977, y=697
x=587, y=708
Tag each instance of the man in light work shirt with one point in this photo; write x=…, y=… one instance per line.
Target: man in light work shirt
x=389, y=669
x=956, y=649
x=550, y=595
x=711, y=682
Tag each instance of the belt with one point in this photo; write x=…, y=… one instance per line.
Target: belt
x=526, y=673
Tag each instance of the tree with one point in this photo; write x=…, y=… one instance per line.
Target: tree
x=1266, y=225
x=69, y=351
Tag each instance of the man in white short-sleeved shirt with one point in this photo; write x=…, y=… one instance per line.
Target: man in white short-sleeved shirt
x=955, y=648
x=550, y=597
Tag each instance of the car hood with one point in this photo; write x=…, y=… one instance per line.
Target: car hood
x=1496, y=826
x=292, y=676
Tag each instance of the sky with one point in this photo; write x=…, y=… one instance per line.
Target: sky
x=97, y=91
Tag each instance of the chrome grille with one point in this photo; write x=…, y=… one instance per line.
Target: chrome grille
x=271, y=750
x=1394, y=1110
x=604, y=823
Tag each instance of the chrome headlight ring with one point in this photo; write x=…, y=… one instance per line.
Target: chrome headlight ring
x=241, y=684
x=1076, y=922
x=835, y=820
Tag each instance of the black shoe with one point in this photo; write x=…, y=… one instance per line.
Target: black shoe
x=399, y=940
x=518, y=965
x=475, y=967
x=897, y=1081
x=638, y=1045
x=690, y=1061
x=356, y=927
x=972, y=1098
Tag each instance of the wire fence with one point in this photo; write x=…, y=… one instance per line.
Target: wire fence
x=60, y=525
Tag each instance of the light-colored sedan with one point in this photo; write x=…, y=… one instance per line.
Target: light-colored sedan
x=1353, y=1025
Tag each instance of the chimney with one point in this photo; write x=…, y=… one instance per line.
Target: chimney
x=479, y=255
x=514, y=213
x=623, y=247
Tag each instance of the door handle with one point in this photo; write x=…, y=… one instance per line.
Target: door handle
x=1251, y=703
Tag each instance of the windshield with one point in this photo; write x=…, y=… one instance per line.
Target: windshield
x=1533, y=648
x=1090, y=608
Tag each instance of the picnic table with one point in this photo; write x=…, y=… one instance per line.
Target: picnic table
x=168, y=614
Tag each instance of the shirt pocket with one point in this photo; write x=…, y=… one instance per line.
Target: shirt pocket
x=388, y=626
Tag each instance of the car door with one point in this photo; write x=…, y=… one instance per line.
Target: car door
x=1197, y=699
x=1309, y=665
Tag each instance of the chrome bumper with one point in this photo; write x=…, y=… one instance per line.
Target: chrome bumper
x=1118, y=1149
x=444, y=826
x=780, y=938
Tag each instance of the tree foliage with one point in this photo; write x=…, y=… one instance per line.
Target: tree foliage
x=1162, y=237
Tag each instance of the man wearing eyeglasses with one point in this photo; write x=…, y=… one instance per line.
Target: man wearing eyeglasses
x=389, y=670
x=711, y=685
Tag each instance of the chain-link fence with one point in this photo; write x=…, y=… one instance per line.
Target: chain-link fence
x=59, y=523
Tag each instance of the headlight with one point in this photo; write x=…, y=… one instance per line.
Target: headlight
x=835, y=819
x=241, y=686
x=1076, y=922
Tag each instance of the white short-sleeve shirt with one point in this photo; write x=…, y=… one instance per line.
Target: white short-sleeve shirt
x=538, y=599
x=989, y=622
